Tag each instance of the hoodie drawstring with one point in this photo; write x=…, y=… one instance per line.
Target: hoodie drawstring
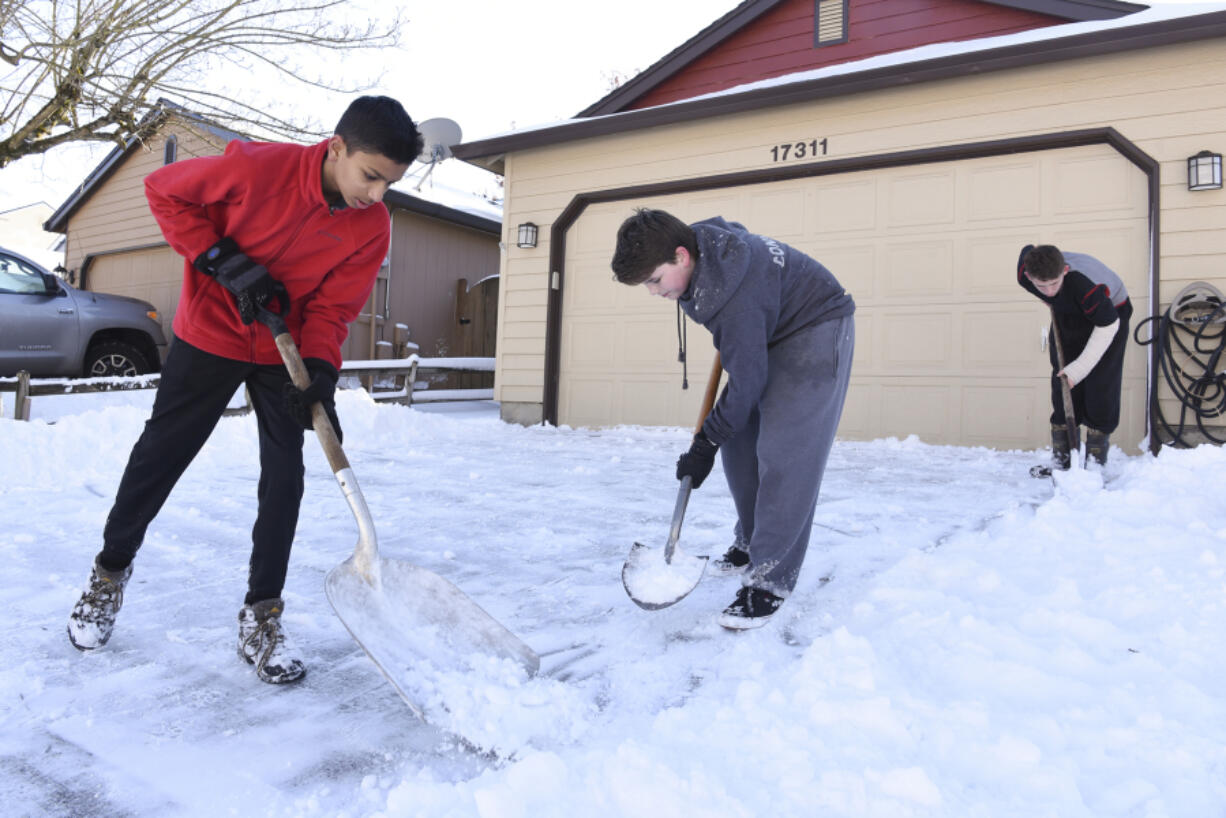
x=681, y=333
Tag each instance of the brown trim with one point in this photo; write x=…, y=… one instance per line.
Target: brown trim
x=1093, y=44
x=947, y=153
x=1079, y=10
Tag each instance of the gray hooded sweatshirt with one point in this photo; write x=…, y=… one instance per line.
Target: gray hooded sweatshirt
x=752, y=293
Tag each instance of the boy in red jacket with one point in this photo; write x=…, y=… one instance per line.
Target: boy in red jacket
x=298, y=230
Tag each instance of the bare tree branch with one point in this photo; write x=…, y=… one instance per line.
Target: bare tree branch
x=94, y=70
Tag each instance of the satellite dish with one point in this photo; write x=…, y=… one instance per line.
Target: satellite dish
x=437, y=136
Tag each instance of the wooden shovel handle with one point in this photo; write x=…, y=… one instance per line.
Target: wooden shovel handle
x=708, y=400
x=1066, y=393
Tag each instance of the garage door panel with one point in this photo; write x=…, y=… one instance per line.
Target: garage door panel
x=591, y=233
x=585, y=401
x=921, y=199
x=845, y=206
x=1001, y=413
x=652, y=345
x=922, y=409
x=918, y=268
x=854, y=265
x=588, y=344
x=1096, y=186
x=785, y=209
x=948, y=347
x=1004, y=191
x=1018, y=334
x=916, y=340
x=990, y=264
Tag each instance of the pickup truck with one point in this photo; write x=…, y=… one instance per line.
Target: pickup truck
x=51, y=329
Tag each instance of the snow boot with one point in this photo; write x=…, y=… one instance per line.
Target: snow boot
x=263, y=644
x=734, y=561
x=1097, y=444
x=1061, y=457
x=752, y=608
x=93, y=617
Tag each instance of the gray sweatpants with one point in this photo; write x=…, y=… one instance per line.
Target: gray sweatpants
x=774, y=464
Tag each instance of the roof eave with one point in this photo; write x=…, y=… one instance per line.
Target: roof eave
x=1129, y=38
x=424, y=207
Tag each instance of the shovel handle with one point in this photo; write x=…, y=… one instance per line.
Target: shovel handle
x=708, y=400
x=1066, y=393
x=302, y=379
x=683, y=494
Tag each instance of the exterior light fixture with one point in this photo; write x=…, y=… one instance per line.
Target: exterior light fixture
x=527, y=230
x=1204, y=172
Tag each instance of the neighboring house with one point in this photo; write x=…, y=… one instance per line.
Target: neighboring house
x=21, y=229
x=114, y=246
x=912, y=147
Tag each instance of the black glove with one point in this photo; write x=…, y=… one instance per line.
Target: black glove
x=698, y=461
x=322, y=389
x=249, y=282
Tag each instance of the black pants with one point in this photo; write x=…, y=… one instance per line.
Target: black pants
x=1096, y=400
x=194, y=390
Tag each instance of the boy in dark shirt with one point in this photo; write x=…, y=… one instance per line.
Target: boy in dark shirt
x=295, y=229
x=1091, y=309
x=784, y=330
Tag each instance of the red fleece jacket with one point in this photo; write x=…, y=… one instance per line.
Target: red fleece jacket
x=269, y=198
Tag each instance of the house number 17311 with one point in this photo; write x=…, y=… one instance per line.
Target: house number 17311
x=798, y=150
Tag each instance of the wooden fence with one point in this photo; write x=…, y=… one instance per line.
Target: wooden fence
x=402, y=380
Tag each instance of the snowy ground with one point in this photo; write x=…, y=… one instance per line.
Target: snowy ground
x=965, y=640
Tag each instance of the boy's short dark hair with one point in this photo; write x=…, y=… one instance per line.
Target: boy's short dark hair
x=648, y=239
x=1044, y=263
x=380, y=125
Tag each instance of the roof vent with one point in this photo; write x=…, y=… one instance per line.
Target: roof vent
x=831, y=22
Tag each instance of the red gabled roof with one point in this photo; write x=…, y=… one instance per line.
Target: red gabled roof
x=761, y=39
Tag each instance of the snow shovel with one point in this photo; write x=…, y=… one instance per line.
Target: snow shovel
x=658, y=577
x=1066, y=393
x=415, y=625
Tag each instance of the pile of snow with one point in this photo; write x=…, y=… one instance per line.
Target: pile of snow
x=964, y=640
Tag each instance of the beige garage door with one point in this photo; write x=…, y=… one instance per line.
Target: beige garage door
x=154, y=275
x=948, y=347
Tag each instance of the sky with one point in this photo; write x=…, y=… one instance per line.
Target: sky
x=964, y=641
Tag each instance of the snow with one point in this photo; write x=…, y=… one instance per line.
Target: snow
x=964, y=641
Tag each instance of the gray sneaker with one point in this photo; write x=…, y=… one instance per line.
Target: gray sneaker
x=93, y=617
x=263, y=644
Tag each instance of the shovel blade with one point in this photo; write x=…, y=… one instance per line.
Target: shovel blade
x=418, y=628
x=653, y=582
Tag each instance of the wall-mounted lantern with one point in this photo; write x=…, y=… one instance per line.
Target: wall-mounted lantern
x=1204, y=171
x=527, y=230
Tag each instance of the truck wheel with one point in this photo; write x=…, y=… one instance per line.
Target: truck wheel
x=110, y=358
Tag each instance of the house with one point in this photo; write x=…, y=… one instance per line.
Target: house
x=912, y=146
x=441, y=248
x=21, y=229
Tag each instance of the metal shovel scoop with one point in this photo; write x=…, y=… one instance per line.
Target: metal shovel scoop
x=658, y=577
x=415, y=625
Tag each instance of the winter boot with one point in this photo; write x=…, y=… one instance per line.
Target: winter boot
x=734, y=561
x=1061, y=458
x=752, y=608
x=263, y=644
x=93, y=617
x=1097, y=444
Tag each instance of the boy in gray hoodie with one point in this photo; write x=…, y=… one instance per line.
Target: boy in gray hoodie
x=784, y=330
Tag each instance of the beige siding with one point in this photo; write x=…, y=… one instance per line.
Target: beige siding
x=1170, y=101
x=116, y=216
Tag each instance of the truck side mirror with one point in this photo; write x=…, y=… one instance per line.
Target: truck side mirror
x=53, y=284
